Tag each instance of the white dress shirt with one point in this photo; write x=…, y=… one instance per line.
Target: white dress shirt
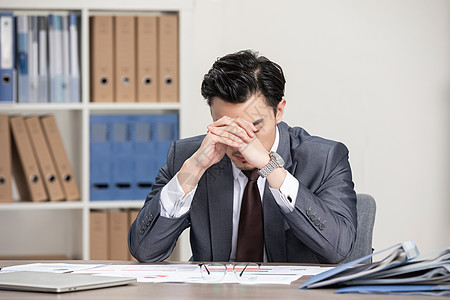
x=174, y=203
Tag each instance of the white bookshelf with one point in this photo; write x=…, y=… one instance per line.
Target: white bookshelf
x=62, y=228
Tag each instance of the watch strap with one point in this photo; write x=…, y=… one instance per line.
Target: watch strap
x=270, y=166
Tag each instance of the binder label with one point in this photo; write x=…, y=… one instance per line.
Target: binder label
x=6, y=34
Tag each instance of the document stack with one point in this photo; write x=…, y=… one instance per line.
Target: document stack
x=46, y=50
x=37, y=158
x=402, y=272
x=134, y=58
x=126, y=152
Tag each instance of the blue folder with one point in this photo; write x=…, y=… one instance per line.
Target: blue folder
x=7, y=58
x=33, y=59
x=127, y=152
x=144, y=155
x=166, y=132
x=22, y=59
x=122, y=156
x=43, y=93
x=57, y=85
x=100, y=158
x=153, y=136
x=74, y=85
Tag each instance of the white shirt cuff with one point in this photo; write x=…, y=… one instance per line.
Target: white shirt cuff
x=286, y=195
x=173, y=202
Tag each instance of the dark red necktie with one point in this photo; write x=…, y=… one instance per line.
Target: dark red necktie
x=250, y=241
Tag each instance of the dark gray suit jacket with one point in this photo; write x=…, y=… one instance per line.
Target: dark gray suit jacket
x=321, y=228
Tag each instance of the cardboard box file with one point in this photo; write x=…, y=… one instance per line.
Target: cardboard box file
x=147, y=58
x=99, y=243
x=50, y=178
x=5, y=160
x=26, y=170
x=102, y=59
x=118, y=234
x=168, y=58
x=60, y=159
x=125, y=59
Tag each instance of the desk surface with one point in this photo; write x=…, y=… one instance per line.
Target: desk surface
x=188, y=291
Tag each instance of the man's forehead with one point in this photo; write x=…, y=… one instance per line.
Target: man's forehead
x=254, y=110
x=255, y=122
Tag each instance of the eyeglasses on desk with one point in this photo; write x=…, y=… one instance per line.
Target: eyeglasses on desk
x=244, y=272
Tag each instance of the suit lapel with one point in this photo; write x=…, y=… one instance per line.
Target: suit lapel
x=284, y=145
x=220, y=205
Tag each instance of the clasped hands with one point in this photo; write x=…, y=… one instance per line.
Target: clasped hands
x=235, y=133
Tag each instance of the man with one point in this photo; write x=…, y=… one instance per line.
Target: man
x=301, y=208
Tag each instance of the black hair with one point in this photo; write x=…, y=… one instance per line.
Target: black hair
x=236, y=77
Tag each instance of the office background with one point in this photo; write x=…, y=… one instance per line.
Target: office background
x=372, y=74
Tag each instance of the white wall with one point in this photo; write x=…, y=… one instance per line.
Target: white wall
x=373, y=74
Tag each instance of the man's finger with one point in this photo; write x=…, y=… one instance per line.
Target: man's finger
x=247, y=126
x=233, y=129
x=237, y=123
x=226, y=137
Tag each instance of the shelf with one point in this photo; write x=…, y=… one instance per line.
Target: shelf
x=44, y=107
x=17, y=205
x=120, y=106
x=41, y=205
x=91, y=106
x=115, y=204
x=36, y=220
x=132, y=6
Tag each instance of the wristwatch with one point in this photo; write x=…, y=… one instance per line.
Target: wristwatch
x=276, y=161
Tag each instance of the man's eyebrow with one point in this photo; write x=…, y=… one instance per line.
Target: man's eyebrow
x=257, y=121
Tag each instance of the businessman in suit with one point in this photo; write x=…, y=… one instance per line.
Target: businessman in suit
x=252, y=188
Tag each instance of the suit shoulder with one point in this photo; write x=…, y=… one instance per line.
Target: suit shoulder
x=181, y=150
x=302, y=140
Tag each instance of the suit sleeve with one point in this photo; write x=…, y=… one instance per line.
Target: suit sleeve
x=325, y=219
x=153, y=237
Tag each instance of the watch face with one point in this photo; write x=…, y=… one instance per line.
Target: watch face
x=278, y=159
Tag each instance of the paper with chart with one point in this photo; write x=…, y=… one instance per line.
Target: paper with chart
x=181, y=273
x=50, y=267
x=190, y=273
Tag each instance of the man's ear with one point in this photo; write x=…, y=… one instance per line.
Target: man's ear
x=280, y=111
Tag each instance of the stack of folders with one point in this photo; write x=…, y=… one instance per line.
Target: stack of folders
x=126, y=153
x=402, y=272
x=134, y=58
x=109, y=232
x=37, y=158
x=39, y=58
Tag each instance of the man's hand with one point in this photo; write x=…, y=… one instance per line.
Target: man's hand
x=241, y=134
x=227, y=132
x=211, y=151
